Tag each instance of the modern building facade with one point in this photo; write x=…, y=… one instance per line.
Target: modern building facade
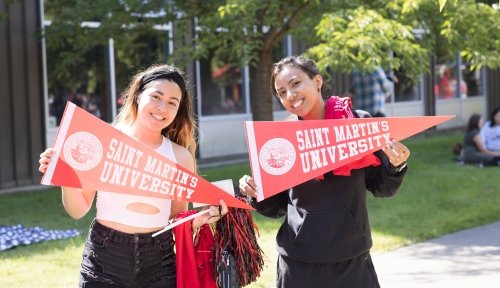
x=33, y=99
x=22, y=129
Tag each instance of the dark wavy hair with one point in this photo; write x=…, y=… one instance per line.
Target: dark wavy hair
x=473, y=123
x=305, y=64
x=492, y=117
x=182, y=129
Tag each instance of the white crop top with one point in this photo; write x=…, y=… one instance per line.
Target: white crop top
x=112, y=206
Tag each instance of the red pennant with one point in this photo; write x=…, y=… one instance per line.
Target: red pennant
x=93, y=154
x=286, y=153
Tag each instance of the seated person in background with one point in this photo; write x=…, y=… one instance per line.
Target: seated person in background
x=490, y=132
x=474, y=151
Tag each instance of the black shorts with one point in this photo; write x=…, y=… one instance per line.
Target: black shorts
x=116, y=259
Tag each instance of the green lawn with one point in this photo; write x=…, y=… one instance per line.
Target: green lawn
x=438, y=197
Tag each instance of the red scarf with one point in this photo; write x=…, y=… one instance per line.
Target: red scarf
x=340, y=108
x=194, y=261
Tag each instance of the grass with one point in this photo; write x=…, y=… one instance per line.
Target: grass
x=438, y=197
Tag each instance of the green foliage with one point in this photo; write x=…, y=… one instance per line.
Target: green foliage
x=343, y=35
x=364, y=39
x=247, y=28
x=80, y=29
x=441, y=4
x=479, y=42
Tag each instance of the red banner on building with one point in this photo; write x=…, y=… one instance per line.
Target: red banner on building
x=286, y=153
x=91, y=153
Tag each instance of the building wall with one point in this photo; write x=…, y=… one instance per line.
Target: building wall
x=21, y=94
x=492, y=89
x=222, y=136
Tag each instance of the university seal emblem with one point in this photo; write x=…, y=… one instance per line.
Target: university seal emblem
x=83, y=151
x=277, y=156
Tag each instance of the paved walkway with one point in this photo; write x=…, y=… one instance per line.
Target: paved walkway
x=469, y=258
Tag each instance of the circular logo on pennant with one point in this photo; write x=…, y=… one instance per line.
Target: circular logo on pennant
x=82, y=151
x=277, y=156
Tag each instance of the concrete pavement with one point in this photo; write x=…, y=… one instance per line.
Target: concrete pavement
x=469, y=258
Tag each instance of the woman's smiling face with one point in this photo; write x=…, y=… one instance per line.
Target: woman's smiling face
x=300, y=94
x=159, y=103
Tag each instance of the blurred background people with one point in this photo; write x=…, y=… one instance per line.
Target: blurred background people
x=474, y=150
x=490, y=132
x=446, y=86
x=370, y=90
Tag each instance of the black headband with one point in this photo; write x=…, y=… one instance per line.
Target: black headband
x=170, y=75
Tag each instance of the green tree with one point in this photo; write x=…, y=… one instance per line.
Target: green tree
x=347, y=35
x=364, y=36
x=342, y=34
x=250, y=30
x=72, y=38
x=247, y=31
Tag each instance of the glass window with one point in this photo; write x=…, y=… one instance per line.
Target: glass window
x=472, y=79
x=222, y=90
x=134, y=52
x=405, y=89
x=83, y=78
x=80, y=79
x=447, y=84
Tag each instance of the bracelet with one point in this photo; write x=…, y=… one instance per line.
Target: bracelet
x=213, y=216
x=210, y=217
x=399, y=168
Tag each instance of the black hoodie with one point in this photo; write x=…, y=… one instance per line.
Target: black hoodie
x=327, y=220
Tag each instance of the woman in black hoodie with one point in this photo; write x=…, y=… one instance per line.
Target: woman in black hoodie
x=325, y=239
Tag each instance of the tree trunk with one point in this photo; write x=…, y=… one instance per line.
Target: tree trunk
x=260, y=92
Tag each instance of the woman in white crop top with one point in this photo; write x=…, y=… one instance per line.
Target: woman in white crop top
x=120, y=251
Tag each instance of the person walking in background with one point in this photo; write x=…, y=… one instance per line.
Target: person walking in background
x=490, y=132
x=443, y=88
x=325, y=239
x=446, y=86
x=120, y=250
x=474, y=150
x=370, y=91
